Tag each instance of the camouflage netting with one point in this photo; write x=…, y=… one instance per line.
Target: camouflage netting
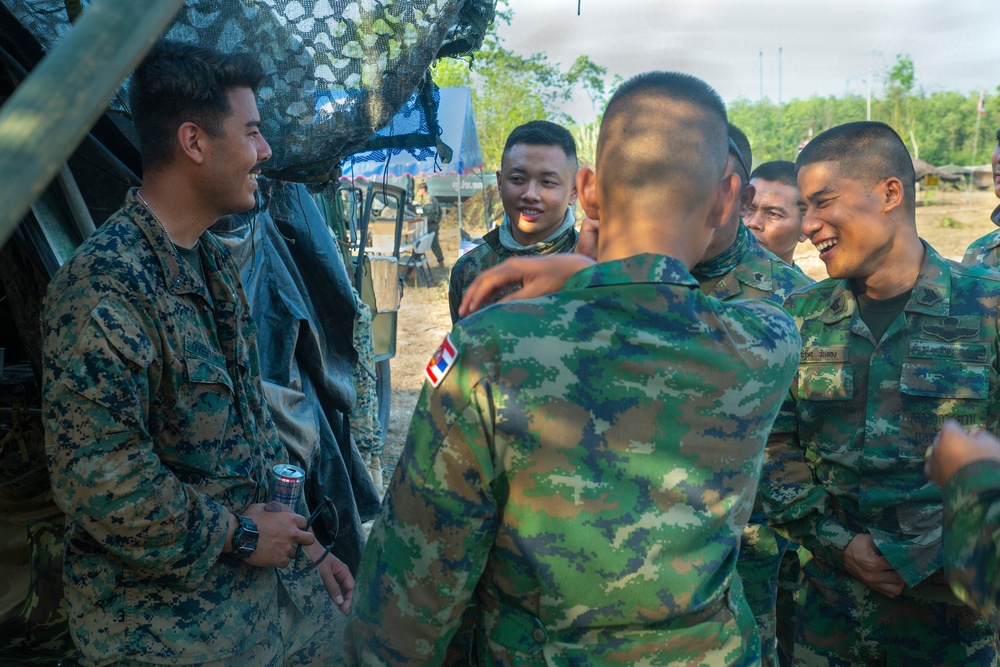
x=337, y=70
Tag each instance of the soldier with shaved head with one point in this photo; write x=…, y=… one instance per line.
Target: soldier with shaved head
x=580, y=465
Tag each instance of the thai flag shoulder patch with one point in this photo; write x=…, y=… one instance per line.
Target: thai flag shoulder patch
x=441, y=362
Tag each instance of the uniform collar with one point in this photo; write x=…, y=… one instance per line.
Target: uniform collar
x=931, y=294
x=753, y=270
x=178, y=277
x=646, y=268
x=995, y=216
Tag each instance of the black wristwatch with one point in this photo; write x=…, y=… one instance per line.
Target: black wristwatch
x=244, y=538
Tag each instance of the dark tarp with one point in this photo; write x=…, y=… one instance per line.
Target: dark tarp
x=301, y=299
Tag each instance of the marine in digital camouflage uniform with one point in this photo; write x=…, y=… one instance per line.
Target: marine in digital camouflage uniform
x=578, y=473
x=985, y=251
x=538, y=192
x=156, y=430
x=844, y=461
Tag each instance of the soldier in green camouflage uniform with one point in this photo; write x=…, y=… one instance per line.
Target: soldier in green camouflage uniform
x=157, y=433
x=737, y=266
x=985, y=251
x=897, y=341
x=578, y=473
x=967, y=466
x=537, y=188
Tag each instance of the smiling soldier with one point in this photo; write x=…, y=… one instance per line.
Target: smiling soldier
x=895, y=342
x=537, y=182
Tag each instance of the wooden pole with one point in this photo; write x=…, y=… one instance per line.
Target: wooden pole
x=53, y=109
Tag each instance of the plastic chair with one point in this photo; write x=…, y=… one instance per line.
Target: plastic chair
x=418, y=260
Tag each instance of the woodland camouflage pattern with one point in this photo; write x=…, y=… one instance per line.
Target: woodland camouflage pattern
x=846, y=454
x=581, y=477
x=155, y=426
x=487, y=255
x=761, y=275
x=971, y=535
x=985, y=251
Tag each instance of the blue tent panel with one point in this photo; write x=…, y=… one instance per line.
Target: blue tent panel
x=458, y=132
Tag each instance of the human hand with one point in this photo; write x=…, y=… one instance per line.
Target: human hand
x=865, y=562
x=537, y=275
x=586, y=240
x=955, y=448
x=336, y=576
x=279, y=533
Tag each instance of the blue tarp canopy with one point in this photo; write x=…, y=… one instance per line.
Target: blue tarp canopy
x=458, y=133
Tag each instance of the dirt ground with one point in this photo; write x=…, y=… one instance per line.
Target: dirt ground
x=424, y=319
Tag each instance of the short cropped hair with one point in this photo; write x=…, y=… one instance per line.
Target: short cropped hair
x=542, y=133
x=745, y=156
x=864, y=151
x=776, y=171
x=663, y=130
x=178, y=83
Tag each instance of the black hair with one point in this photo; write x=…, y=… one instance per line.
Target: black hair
x=865, y=151
x=664, y=130
x=542, y=133
x=740, y=147
x=177, y=83
x=776, y=171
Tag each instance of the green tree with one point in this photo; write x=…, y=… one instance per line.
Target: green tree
x=509, y=89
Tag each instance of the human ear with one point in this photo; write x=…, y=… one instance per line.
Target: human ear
x=586, y=190
x=892, y=193
x=726, y=198
x=189, y=138
x=746, y=198
x=498, y=178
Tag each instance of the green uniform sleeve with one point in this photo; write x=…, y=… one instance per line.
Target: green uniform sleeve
x=971, y=535
x=429, y=546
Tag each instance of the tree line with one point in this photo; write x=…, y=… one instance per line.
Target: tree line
x=509, y=89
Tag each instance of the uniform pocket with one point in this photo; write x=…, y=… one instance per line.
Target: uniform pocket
x=825, y=382
x=934, y=390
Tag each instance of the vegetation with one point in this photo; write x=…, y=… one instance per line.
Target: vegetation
x=509, y=89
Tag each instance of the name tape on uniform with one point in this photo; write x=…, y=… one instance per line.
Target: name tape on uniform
x=441, y=362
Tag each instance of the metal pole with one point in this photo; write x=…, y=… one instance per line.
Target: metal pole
x=761, y=56
x=460, y=210
x=53, y=109
x=779, y=76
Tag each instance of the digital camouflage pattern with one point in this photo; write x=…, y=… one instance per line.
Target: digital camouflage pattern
x=580, y=479
x=846, y=454
x=971, y=535
x=760, y=274
x=156, y=428
x=985, y=251
x=492, y=252
x=365, y=427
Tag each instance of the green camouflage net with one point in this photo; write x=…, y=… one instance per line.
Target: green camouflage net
x=336, y=70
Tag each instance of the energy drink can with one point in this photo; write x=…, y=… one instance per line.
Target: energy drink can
x=284, y=489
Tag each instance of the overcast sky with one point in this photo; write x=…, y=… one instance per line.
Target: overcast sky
x=828, y=46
